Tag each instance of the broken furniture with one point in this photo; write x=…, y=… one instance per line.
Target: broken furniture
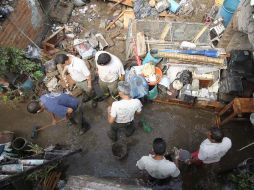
x=50, y=43
x=237, y=107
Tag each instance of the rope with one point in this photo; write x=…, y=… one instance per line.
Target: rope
x=23, y=33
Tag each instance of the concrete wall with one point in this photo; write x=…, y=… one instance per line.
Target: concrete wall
x=29, y=18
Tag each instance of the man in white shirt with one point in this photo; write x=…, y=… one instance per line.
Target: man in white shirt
x=110, y=70
x=156, y=165
x=121, y=113
x=213, y=148
x=78, y=71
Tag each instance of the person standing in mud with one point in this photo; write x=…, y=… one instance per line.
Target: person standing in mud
x=121, y=113
x=212, y=149
x=110, y=70
x=60, y=106
x=159, y=166
x=79, y=73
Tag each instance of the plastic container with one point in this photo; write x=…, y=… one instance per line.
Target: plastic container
x=153, y=93
x=158, y=74
x=149, y=58
x=19, y=143
x=34, y=162
x=227, y=10
x=184, y=155
x=12, y=168
x=174, y=6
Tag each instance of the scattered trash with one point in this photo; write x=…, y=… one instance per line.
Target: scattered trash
x=32, y=52
x=84, y=49
x=5, y=11
x=79, y=3
x=102, y=42
x=12, y=168
x=32, y=162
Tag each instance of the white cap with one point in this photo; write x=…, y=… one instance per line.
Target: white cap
x=77, y=42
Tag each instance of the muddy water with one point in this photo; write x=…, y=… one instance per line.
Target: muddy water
x=180, y=127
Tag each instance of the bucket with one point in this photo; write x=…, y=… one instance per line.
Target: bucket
x=158, y=74
x=174, y=6
x=19, y=143
x=23, y=81
x=184, y=155
x=149, y=58
x=246, y=166
x=227, y=10
x=153, y=93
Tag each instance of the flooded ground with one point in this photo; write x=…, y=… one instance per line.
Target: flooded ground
x=179, y=126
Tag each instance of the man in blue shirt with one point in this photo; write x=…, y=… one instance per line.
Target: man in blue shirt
x=60, y=106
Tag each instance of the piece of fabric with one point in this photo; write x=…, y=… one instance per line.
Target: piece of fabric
x=109, y=86
x=58, y=103
x=83, y=85
x=124, y=110
x=212, y=152
x=159, y=169
x=194, y=156
x=78, y=69
x=112, y=71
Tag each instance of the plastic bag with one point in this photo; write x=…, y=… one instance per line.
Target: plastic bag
x=32, y=52
x=138, y=84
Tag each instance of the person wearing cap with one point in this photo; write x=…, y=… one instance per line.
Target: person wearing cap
x=78, y=71
x=121, y=113
x=159, y=166
x=110, y=70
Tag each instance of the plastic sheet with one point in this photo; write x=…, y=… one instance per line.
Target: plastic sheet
x=139, y=86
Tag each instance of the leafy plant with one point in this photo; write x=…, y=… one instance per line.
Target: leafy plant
x=41, y=174
x=35, y=148
x=14, y=60
x=242, y=180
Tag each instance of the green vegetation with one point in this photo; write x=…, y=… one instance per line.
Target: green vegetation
x=14, y=60
x=242, y=180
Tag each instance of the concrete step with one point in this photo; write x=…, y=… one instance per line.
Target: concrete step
x=85, y=182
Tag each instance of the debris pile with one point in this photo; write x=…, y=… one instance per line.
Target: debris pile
x=5, y=9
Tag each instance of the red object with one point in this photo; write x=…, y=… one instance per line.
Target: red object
x=138, y=60
x=194, y=156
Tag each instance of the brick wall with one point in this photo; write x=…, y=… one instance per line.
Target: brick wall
x=28, y=16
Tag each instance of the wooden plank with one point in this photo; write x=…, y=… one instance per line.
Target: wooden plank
x=164, y=32
x=128, y=15
x=141, y=44
x=113, y=22
x=125, y=2
x=206, y=105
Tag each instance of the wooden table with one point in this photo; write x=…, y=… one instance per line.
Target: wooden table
x=235, y=107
